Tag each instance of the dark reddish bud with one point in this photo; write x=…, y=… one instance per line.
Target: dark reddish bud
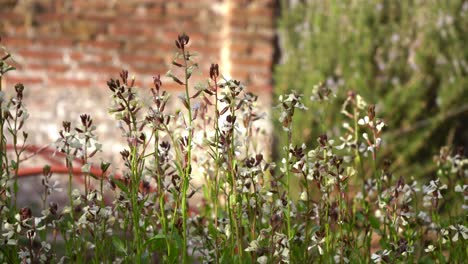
x=214, y=71
x=157, y=82
x=66, y=126
x=124, y=76
x=323, y=139
x=19, y=88
x=371, y=112
x=25, y=213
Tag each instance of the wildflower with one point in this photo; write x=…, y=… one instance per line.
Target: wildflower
x=253, y=246
x=347, y=142
x=432, y=192
x=317, y=242
x=434, y=187
x=459, y=230
x=444, y=233
x=262, y=260
x=364, y=121
x=340, y=259
x=424, y=217
x=429, y=248
x=320, y=92
x=381, y=256
x=461, y=189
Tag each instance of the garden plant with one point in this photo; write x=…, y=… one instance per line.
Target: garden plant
x=346, y=208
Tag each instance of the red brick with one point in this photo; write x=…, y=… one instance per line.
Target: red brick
x=26, y=80
x=142, y=59
x=101, y=44
x=50, y=17
x=40, y=54
x=53, y=43
x=61, y=82
x=13, y=42
x=150, y=70
x=99, y=69
x=54, y=68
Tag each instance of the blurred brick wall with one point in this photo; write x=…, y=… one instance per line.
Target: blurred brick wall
x=81, y=43
x=66, y=50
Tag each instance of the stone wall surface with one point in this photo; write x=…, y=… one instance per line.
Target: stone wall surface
x=66, y=50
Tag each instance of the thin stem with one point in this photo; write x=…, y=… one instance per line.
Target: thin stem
x=215, y=192
x=186, y=177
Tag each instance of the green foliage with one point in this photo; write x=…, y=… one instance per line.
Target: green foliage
x=409, y=56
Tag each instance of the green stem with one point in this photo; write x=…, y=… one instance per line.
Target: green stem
x=186, y=178
x=215, y=192
x=288, y=187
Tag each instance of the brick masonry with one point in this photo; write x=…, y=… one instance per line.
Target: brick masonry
x=65, y=50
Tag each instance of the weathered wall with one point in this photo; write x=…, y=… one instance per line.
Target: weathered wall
x=65, y=50
x=81, y=43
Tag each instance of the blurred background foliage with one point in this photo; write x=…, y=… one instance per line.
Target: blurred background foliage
x=407, y=57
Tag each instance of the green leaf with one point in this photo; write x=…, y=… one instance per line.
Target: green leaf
x=360, y=217
x=119, y=245
x=374, y=222
x=174, y=78
x=121, y=185
x=14, y=165
x=157, y=239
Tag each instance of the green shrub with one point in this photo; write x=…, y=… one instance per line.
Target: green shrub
x=408, y=56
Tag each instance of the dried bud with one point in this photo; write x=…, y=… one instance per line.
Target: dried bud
x=182, y=41
x=112, y=184
x=113, y=85
x=31, y=234
x=323, y=139
x=157, y=82
x=214, y=71
x=145, y=185
x=125, y=154
x=25, y=213
x=86, y=120
x=19, y=88
x=53, y=207
x=259, y=158
x=371, y=112
x=66, y=126
x=124, y=76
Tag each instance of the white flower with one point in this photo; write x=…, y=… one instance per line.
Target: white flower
x=361, y=104
x=347, y=142
x=253, y=246
x=459, y=230
x=377, y=258
x=262, y=259
x=424, y=217
x=432, y=192
x=338, y=258
x=380, y=125
x=364, y=121
x=444, y=234
x=317, y=242
x=429, y=248
x=461, y=189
